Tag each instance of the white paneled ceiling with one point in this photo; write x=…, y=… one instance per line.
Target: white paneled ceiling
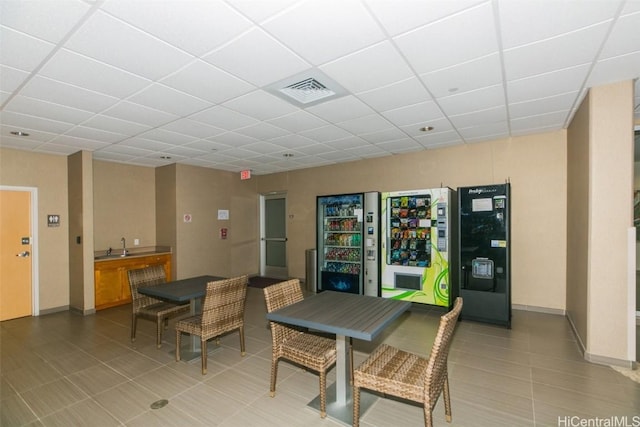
x=154, y=82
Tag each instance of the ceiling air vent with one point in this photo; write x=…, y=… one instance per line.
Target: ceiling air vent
x=306, y=89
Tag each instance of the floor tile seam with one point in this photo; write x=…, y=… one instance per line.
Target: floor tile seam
x=126, y=379
x=493, y=374
x=481, y=408
x=501, y=360
x=615, y=381
x=18, y=396
x=176, y=372
x=58, y=410
x=615, y=403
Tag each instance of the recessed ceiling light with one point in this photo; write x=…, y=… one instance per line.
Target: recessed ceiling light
x=426, y=129
x=287, y=155
x=453, y=90
x=165, y=157
x=19, y=133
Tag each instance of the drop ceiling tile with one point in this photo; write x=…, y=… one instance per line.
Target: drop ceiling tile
x=58, y=149
x=624, y=37
x=111, y=124
x=78, y=70
x=95, y=134
x=338, y=156
x=47, y=110
x=423, y=112
x=35, y=137
x=192, y=128
x=137, y=113
x=351, y=142
x=535, y=107
x=262, y=131
x=261, y=105
x=4, y=97
x=22, y=51
x=298, y=122
x=465, y=36
x=576, y=48
x=223, y=118
x=207, y=82
x=321, y=31
x=293, y=141
x=68, y=95
x=257, y=58
x=370, y=68
x=259, y=10
x=23, y=121
x=113, y=42
x=184, y=151
x=555, y=119
x=11, y=78
x=546, y=19
x=47, y=20
x=326, y=133
x=18, y=143
x=111, y=157
x=264, y=148
x=399, y=146
x=465, y=77
x=168, y=137
x=440, y=124
x=477, y=118
x=401, y=16
x=233, y=139
x=615, y=69
x=480, y=99
x=152, y=161
x=78, y=143
x=367, y=124
x=392, y=134
x=163, y=19
x=163, y=98
x=341, y=109
x=485, y=132
x=439, y=139
x=369, y=152
x=128, y=150
x=142, y=144
x=406, y=92
x=239, y=153
x=545, y=85
x=206, y=146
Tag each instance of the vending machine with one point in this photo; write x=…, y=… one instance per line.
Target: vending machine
x=347, y=243
x=485, y=247
x=418, y=246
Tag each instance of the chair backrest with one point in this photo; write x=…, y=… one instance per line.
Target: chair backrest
x=436, y=373
x=224, y=303
x=281, y=295
x=148, y=276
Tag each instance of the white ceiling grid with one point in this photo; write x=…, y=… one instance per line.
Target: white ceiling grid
x=154, y=82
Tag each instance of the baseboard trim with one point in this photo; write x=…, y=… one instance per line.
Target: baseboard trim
x=82, y=312
x=53, y=310
x=609, y=361
x=537, y=309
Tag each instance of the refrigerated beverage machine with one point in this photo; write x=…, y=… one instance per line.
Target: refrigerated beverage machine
x=419, y=246
x=485, y=270
x=347, y=243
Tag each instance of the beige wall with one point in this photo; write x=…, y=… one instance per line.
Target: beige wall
x=48, y=173
x=535, y=166
x=124, y=205
x=165, y=210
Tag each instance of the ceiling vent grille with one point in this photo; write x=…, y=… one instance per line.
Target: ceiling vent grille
x=307, y=90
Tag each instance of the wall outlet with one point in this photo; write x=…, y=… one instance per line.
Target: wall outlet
x=136, y=242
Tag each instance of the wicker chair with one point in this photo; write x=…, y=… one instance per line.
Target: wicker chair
x=314, y=352
x=222, y=312
x=148, y=307
x=398, y=373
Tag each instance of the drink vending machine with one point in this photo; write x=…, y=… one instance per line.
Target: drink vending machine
x=347, y=243
x=419, y=245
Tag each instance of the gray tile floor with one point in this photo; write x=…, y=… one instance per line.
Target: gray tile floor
x=65, y=370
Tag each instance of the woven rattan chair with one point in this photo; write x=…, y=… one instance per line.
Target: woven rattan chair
x=148, y=307
x=402, y=374
x=311, y=351
x=222, y=312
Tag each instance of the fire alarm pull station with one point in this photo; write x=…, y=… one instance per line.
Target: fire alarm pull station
x=223, y=233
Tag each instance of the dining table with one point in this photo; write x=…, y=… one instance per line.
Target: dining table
x=191, y=289
x=347, y=316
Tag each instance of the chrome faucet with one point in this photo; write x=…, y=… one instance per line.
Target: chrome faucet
x=124, y=246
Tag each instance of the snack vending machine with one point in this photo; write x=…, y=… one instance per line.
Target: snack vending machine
x=418, y=246
x=347, y=243
x=485, y=284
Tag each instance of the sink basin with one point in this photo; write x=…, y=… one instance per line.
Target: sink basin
x=112, y=256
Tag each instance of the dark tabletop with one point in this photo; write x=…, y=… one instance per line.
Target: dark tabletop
x=357, y=316
x=180, y=290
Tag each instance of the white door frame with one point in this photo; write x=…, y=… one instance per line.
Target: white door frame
x=35, y=278
x=263, y=243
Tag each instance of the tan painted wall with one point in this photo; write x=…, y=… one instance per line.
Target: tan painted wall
x=124, y=205
x=611, y=216
x=535, y=165
x=165, y=210
x=48, y=173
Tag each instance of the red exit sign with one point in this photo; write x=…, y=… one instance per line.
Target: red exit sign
x=246, y=174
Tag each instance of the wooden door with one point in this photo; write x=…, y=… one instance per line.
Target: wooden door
x=15, y=254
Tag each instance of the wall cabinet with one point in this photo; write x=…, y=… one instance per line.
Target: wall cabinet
x=112, y=281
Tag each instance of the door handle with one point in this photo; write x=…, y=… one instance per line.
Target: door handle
x=24, y=254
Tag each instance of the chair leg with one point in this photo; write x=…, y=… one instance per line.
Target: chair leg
x=274, y=374
x=428, y=421
x=351, y=368
x=177, y=345
x=242, y=351
x=356, y=406
x=159, y=323
x=203, y=352
x=447, y=400
x=323, y=394
x=134, y=323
